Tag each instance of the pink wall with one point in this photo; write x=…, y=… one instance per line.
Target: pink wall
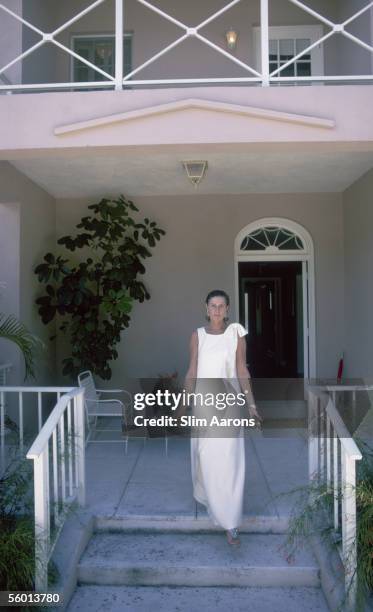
x=27, y=122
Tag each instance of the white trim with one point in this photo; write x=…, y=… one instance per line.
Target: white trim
x=371, y=36
x=313, y=32
x=118, y=49
x=264, y=42
x=307, y=255
x=195, y=103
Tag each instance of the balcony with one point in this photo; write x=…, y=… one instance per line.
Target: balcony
x=47, y=45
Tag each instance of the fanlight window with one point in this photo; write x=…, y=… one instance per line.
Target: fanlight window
x=272, y=238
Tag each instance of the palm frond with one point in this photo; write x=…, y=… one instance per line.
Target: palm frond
x=15, y=331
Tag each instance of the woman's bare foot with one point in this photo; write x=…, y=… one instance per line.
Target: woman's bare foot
x=232, y=537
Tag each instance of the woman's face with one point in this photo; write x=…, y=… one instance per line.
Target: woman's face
x=217, y=309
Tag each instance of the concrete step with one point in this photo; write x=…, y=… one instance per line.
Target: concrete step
x=189, y=599
x=193, y=559
x=179, y=523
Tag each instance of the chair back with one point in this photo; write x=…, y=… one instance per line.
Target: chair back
x=86, y=380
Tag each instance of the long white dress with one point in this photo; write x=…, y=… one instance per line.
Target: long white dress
x=218, y=463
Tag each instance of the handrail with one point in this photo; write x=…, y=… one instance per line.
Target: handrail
x=67, y=483
x=337, y=469
x=21, y=393
x=13, y=389
x=50, y=424
x=344, y=435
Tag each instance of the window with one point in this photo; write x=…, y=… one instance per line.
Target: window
x=272, y=238
x=99, y=50
x=285, y=42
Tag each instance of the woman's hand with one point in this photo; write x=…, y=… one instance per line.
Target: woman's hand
x=254, y=414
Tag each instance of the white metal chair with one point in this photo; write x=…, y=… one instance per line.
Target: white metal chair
x=95, y=406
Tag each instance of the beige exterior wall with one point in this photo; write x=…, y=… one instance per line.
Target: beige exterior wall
x=151, y=33
x=358, y=249
x=197, y=255
x=28, y=233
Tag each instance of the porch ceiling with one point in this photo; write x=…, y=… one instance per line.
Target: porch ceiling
x=145, y=173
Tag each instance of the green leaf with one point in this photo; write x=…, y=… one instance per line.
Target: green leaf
x=15, y=331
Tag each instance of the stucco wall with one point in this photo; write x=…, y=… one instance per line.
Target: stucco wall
x=196, y=255
x=30, y=217
x=10, y=278
x=358, y=221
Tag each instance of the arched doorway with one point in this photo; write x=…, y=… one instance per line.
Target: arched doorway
x=274, y=277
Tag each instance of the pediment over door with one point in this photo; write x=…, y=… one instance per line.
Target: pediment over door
x=194, y=121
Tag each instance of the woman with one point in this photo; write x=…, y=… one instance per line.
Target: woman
x=218, y=351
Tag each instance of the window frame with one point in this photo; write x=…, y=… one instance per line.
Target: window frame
x=313, y=32
x=93, y=36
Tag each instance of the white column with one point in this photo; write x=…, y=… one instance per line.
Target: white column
x=119, y=44
x=264, y=36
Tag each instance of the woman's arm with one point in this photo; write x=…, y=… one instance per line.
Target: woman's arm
x=191, y=375
x=244, y=377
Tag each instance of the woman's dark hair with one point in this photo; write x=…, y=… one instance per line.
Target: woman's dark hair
x=218, y=293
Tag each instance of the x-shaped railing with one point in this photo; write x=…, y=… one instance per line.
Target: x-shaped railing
x=119, y=80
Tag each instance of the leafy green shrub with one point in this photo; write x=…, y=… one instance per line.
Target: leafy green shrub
x=95, y=296
x=312, y=514
x=17, y=532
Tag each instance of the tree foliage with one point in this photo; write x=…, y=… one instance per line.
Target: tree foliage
x=94, y=297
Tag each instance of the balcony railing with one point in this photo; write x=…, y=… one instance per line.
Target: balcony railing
x=262, y=76
x=332, y=461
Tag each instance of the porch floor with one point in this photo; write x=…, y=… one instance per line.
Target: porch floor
x=148, y=482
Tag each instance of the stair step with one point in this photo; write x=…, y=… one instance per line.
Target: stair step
x=180, y=523
x=188, y=599
x=193, y=559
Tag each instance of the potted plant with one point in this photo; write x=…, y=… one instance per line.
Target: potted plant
x=94, y=296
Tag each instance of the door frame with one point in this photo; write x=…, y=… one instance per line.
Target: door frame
x=306, y=256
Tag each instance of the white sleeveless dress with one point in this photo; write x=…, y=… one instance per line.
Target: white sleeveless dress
x=218, y=463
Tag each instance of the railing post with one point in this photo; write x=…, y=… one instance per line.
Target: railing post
x=349, y=526
x=2, y=426
x=264, y=36
x=42, y=520
x=312, y=437
x=79, y=429
x=119, y=44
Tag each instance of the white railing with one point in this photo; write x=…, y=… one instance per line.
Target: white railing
x=31, y=399
x=332, y=461
x=68, y=482
x=263, y=76
x=61, y=439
